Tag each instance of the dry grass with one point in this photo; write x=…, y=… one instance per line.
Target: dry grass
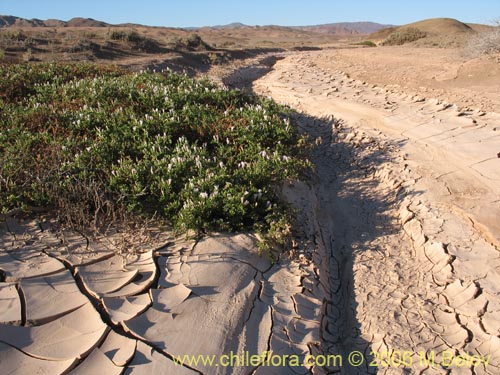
x=484, y=43
x=116, y=43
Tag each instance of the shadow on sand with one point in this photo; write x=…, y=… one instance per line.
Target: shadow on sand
x=352, y=213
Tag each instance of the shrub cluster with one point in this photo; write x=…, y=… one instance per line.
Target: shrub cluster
x=403, y=36
x=367, y=43
x=485, y=43
x=104, y=140
x=138, y=41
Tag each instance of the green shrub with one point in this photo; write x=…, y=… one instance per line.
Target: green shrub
x=118, y=35
x=15, y=36
x=138, y=41
x=83, y=45
x=104, y=140
x=191, y=42
x=367, y=43
x=403, y=36
x=194, y=41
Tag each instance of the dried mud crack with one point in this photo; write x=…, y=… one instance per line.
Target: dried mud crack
x=81, y=308
x=412, y=276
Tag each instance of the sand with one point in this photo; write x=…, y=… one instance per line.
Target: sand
x=408, y=209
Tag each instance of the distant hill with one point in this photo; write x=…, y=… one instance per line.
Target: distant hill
x=342, y=28
x=11, y=21
x=234, y=25
x=346, y=28
x=6, y=21
x=85, y=22
x=439, y=32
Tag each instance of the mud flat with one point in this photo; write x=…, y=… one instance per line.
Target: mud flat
x=70, y=304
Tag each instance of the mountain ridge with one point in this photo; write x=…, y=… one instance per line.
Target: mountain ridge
x=336, y=28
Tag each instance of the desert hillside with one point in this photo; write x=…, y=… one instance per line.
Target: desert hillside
x=438, y=32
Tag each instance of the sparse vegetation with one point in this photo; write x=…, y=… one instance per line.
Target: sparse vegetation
x=485, y=43
x=99, y=141
x=192, y=42
x=367, y=43
x=83, y=45
x=138, y=41
x=403, y=36
x=13, y=36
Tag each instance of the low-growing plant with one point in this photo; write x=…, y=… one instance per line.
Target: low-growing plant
x=193, y=41
x=95, y=142
x=16, y=36
x=367, y=43
x=139, y=42
x=403, y=36
x=83, y=45
x=118, y=35
x=28, y=55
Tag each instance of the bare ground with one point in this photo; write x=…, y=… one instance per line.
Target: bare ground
x=408, y=211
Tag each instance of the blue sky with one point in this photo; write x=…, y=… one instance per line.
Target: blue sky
x=253, y=12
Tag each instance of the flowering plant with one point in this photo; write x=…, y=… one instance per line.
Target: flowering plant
x=202, y=157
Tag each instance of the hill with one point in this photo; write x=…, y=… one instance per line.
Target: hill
x=346, y=28
x=436, y=32
x=12, y=21
x=340, y=28
x=234, y=25
x=85, y=22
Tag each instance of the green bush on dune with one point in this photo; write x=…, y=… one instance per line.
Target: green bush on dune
x=403, y=36
x=102, y=139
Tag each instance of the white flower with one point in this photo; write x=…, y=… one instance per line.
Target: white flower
x=203, y=195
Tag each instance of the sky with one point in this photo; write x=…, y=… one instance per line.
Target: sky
x=195, y=13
